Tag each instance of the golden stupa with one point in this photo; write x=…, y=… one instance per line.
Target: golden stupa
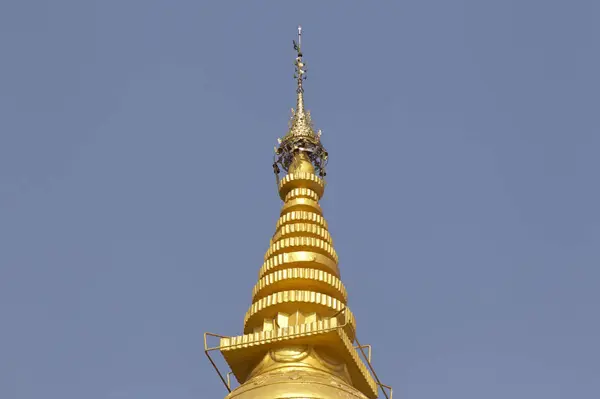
x=299, y=336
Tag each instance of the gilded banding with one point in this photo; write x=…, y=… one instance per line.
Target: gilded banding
x=302, y=229
x=301, y=192
x=300, y=259
x=301, y=180
x=271, y=281
x=299, y=204
x=301, y=216
x=289, y=301
x=294, y=243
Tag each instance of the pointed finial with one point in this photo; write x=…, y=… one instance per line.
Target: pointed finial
x=300, y=65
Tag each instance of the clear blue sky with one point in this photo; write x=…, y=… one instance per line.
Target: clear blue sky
x=137, y=196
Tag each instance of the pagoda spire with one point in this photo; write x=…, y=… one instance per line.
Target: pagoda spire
x=299, y=336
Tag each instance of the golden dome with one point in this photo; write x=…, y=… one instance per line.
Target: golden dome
x=291, y=383
x=298, y=372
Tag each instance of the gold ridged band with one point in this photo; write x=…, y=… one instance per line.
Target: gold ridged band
x=298, y=243
x=301, y=180
x=288, y=301
x=301, y=192
x=301, y=216
x=302, y=229
x=277, y=335
x=288, y=278
x=301, y=204
x=298, y=259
